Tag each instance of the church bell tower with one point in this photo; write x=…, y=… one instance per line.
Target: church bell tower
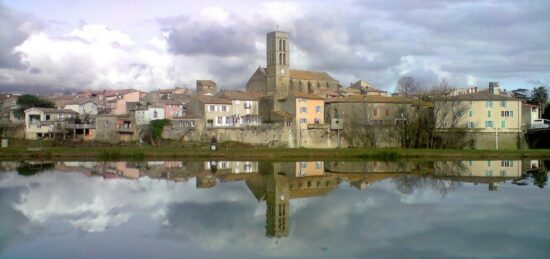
x=278, y=64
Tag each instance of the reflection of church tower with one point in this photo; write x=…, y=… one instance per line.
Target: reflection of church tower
x=278, y=64
x=277, y=200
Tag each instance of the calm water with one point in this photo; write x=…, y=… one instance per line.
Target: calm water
x=229, y=209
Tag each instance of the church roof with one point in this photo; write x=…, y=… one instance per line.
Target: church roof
x=212, y=100
x=304, y=75
x=237, y=95
x=356, y=98
x=311, y=75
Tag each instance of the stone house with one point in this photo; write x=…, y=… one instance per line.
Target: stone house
x=245, y=107
x=215, y=111
x=47, y=122
x=114, y=129
x=371, y=109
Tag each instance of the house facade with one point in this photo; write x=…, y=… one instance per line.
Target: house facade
x=85, y=107
x=47, y=122
x=215, y=111
x=145, y=115
x=245, y=107
x=306, y=109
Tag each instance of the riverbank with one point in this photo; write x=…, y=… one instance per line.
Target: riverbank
x=254, y=153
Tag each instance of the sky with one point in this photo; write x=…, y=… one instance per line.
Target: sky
x=64, y=45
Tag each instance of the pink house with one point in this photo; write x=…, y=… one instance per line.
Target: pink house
x=173, y=109
x=117, y=99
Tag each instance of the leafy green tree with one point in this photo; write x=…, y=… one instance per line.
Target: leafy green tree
x=27, y=101
x=540, y=97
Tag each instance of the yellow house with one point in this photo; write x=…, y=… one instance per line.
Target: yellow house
x=491, y=119
x=305, y=108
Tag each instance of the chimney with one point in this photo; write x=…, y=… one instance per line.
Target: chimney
x=494, y=87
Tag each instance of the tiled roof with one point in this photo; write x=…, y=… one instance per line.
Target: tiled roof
x=237, y=95
x=52, y=110
x=479, y=96
x=311, y=75
x=356, y=98
x=304, y=96
x=207, y=99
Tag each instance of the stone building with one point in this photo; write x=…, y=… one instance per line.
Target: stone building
x=206, y=87
x=114, y=129
x=278, y=79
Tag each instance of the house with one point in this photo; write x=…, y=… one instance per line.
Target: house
x=47, y=122
x=215, y=111
x=116, y=100
x=82, y=107
x=173, y=109
x=364, y=87
x=145, y=115
x=529, y=114
x=490, y=118
x=245, y=107
x=367, y=109
x=306, y=109
x=114, y=129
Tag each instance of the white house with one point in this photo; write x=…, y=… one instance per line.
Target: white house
x=46, y=122
x=147, y=114
x=82, y=107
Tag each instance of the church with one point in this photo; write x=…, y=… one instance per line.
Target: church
x=278, y=80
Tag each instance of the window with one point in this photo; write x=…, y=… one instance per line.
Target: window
x=503, y=124
x=212, y=108
x=507, y=113
x=47, y=117
x=502, y=173
x=470, y=162
x=155, y=114
x=220, y=120
x=318, y=109
x=375, y=112
x=470, y=113
x=304, y=165
x=489, y=162
x=488, y=114
x=470, y=124
x=511, y=114
x=317, y=165
x=284, y=58
x=280, y=58
x=489, y=104
x=284, y=45
x=280, y=44
x=247, y=105
x=488, y=124
x=303, y=109
x=303, y=120
x=106, y=123
x=228, y=120
x=489, y=172
x=506, y=163
x=224, y=108
x=502, y=103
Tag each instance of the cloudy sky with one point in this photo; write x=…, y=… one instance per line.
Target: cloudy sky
x=146, y=45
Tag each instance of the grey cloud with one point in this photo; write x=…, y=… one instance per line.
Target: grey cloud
x=12, y=33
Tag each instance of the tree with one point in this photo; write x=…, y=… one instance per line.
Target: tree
x=539, y=97
x=407, y=86
x=27, y=101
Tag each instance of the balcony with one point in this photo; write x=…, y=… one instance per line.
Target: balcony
x=80, y=126
x=125, y=129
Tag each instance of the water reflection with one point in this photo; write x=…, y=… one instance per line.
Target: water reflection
x=162, y=190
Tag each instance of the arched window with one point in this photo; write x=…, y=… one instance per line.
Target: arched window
x=284, y=58
x=280, y=58
x=280, y=45
x=284, y=45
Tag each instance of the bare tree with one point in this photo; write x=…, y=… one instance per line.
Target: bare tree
x=407, y=86
x=359, y=131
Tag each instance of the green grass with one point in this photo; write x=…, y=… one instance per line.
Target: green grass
x=260, y=153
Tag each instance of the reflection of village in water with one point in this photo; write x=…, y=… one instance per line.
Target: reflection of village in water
x=278, y=183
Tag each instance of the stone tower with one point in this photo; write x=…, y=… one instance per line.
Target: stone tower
x=206, y=87
x=277, y=200
x=278, y=64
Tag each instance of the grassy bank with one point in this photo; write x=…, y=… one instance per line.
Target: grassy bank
x=253, y=153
